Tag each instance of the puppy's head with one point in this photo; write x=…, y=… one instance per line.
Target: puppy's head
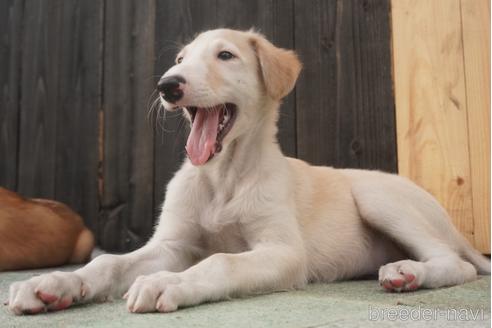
x=223, y=80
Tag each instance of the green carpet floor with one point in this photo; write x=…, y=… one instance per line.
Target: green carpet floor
x=342, y=304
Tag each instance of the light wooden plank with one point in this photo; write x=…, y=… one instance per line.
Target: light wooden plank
x=431, y=108
x=475, y=15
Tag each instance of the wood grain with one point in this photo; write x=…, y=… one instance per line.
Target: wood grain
x=127, y=200
x=39, y=91
x=79, y=92
x=431, y=103
x=181, y=21
x=475, y=16
x=274, y=19
x=59, y=100
x=10, y=51
x=83, y=71
x=345, y=105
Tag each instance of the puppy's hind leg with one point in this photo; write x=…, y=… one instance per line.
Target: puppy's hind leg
x=391, y=209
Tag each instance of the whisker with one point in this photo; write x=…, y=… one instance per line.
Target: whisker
x=149, y=103
x=154, y=104
x=161, y=118
x=152, y=108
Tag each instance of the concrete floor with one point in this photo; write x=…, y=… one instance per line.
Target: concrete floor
x=342, y=304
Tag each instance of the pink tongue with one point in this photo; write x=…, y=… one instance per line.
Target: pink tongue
x=201, y=141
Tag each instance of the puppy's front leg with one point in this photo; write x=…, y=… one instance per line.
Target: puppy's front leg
x=267, y=267
x=172, y=248
x=111, y=275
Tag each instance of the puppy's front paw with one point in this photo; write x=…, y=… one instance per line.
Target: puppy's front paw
x=48, y=292
x=161, y=291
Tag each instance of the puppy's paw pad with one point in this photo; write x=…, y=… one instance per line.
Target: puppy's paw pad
x=400, y=276
x=62, y=304
x=393, y=285
x=46, y=298
x=397, y=283
x=409, y=277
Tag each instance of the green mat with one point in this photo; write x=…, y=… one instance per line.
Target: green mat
x=343, y=304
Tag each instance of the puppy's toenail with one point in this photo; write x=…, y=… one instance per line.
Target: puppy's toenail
x=17, y=309
x=387, y=285
x=83, y=291
x=33, y=311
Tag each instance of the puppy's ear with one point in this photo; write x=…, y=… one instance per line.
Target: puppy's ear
x=279, y=68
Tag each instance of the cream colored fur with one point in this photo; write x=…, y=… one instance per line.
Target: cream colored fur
x=254, y=221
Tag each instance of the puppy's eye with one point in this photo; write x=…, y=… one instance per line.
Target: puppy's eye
x=179, y=60
x=225, y=55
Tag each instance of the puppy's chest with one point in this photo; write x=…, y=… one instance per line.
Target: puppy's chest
x=221, y=226
x=219, y=212
x=228, y=240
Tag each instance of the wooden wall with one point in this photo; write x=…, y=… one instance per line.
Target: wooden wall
x=50, y=96
x=77, y=81
x=441, y=54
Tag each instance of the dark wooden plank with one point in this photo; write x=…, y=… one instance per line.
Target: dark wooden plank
x=177, y=22
x=127, y=203
x=10, y=35
x=315, y=92
x=60, y=89
x=274, y=19
x=80, y=77
x=376, y=117
x=39, y=102
x=345, y=105
x=282, y=26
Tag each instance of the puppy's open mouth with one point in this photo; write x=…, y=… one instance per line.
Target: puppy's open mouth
x=209, y=126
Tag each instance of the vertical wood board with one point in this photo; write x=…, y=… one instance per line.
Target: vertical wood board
x=345, y=107
x=475, y=18
x=127, y=200
x=431, y=103
x=11, y=13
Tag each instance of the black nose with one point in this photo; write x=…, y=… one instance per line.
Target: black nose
x=169, y=88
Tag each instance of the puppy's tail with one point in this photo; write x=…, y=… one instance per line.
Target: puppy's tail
x=481, y=263
x=83, y=247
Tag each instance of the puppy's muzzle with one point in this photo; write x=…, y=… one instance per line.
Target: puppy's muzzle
x=170, y=88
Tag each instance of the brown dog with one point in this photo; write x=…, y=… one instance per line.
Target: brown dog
x=38, y=233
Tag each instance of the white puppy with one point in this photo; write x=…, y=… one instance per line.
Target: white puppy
x=241, y=218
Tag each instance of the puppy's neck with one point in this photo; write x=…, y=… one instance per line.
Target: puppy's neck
x=248, y=155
